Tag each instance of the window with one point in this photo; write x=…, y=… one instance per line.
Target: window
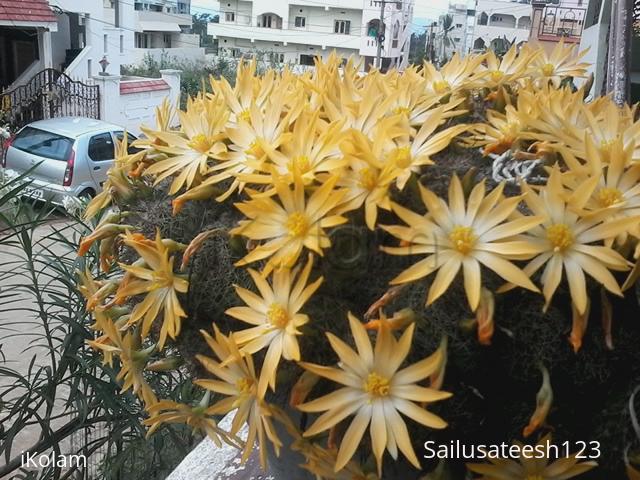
x=130, y=139
x=89, y=67
x=44, y=144
x=105, y=41
x=300, y=22
x=458, y=25
x=306, y=59
x=342, y=26
x=266, y=21
x=101, y=147
x=229, y=17
x=121, y=43
x=167, y=40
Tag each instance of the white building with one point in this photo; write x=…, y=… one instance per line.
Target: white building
x=497, y=21
x=481, y=24
x=458, y=37
x=295, y=31
x=74, y=37
x=163, y=27
x=595, y=38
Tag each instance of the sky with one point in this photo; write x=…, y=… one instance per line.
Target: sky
x=424, y=10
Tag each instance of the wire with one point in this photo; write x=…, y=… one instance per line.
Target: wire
x=297, y=51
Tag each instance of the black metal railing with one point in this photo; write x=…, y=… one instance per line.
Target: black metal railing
x=562, y=22
x=49, y=94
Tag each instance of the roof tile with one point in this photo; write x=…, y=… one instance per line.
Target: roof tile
x=26, y=11
x=139, y=86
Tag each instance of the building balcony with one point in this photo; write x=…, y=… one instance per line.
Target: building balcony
x=148, y=21
x=302, y=37
x=348, y=4
x=558, y=23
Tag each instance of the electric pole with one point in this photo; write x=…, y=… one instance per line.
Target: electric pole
x=381, y=29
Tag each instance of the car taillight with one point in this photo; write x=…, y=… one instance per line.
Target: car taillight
x=68, y=172
x=7, y=144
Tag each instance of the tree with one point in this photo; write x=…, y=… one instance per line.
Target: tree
x=417, y=48
x=446, y=40
x=200, y=22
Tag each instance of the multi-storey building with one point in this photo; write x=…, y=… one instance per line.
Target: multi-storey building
x=296, y=31
x=163, y=27
x=555, y=20
x=456, y=35
x=500, y=22
x=481, y=24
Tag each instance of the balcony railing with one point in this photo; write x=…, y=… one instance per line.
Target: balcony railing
x=562, y=22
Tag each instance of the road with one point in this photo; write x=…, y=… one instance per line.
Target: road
x=20, y=328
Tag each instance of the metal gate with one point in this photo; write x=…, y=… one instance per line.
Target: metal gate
x=48, y=94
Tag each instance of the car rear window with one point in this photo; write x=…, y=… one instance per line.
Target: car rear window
x=42, y=143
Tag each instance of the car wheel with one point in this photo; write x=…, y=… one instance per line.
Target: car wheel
x=86, y=195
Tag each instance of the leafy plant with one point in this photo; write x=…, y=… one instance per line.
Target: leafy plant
x=59, y=387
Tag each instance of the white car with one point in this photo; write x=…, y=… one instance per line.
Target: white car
x=70, y=157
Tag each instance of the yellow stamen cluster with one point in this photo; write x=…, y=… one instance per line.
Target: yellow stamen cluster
x=560, y=236
x=609, y=196
x=277, y=315
x=441, y=86
x=547, y=69
x=402, y=156
x=255, y=149
x=401, y=110
x=300, y=164
x=368, y=178
x=201, y=143
x=244, y=386
x=297, y=224
x=497, y=75
x=376, y=385
x=463, y=239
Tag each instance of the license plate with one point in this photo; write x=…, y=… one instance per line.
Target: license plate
x=32, y=192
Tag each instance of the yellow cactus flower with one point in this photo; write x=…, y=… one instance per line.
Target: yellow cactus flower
x=565, y=242
x=530, y=468
x=119, y=185
x=613, y=186
x=104, y=230
x=291, y=225
x=199, y=417
x=409, y=155
x=463, y=235
x=132, y=357
x=250, y=140
x=562, y=62
x=248, y=89
x=165, y=119
x=313, y=148
x=500, y=132
x=605, y=128
x=160, y=284
x=189, y=151
x=511, y=67
x=238, y=382
x=276, y=317
x=368, y=178
x=457, y=74
x=375, y=390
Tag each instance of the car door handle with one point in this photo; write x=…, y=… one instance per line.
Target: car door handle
x=97, y=168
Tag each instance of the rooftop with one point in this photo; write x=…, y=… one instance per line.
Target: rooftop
x=36, y=11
